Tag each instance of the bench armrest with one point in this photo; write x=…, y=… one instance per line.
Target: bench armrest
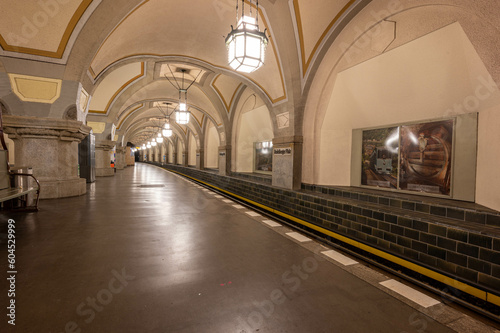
x=37, y=183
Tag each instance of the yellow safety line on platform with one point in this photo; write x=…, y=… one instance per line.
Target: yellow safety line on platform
x=481, y=294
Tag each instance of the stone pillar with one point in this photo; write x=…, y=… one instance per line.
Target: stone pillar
x=120, y=158
x=158, y=153
x=225, y=160
x=129, y=157
x=185, y=158
x=287, y=162
x=50, y=147
x=103, y=151
x=200, y=159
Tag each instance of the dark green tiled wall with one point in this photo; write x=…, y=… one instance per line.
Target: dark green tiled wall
x=411, y=230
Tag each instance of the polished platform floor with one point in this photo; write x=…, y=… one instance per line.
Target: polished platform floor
x=146, y=251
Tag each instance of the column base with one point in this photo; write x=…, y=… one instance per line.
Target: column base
x=104, y=172
x=62, y=188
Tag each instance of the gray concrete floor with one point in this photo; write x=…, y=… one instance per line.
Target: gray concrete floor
x=125, y=258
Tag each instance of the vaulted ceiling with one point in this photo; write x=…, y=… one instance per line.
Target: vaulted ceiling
x=127, y=53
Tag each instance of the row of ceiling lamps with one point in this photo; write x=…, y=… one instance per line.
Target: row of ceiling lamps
x=246, y=46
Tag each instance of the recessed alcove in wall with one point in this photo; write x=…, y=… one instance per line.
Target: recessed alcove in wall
x=212, y=147
x=460, y=174
x=436, y=76
x=253, y=126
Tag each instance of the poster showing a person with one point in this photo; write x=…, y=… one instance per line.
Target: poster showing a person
x=426, y=155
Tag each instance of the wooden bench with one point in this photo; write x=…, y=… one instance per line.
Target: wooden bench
x=7, y=180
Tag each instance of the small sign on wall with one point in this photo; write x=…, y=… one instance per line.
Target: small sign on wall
x=283, y=151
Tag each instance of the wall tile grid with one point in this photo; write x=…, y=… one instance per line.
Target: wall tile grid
x=461, y=242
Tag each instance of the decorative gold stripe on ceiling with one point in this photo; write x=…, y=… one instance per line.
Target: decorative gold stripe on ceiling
x=278, y=62
x=198, y=59
x=109, y=35
x=306, y=63
x=202, y=117
x=64, y=41
x=143, y=69
x=128, y=114
x=263, y=18
x=228, y=106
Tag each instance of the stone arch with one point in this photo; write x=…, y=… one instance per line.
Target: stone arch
x=253, y=122
x=334, y=107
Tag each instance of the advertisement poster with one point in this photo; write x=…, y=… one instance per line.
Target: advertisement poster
x=263, y=157
x=426, y=151
x=380, y=157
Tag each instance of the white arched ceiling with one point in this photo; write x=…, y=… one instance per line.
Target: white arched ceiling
x=186, y=29
x=163, y=90
x=226, y=88
x=112, y=85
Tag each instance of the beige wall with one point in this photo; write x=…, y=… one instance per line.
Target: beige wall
x=170, y=153
x=192, y=150
x=253, y=126
x=436, y=76
x=179, y=151
x=212, y=147
x=488, y=156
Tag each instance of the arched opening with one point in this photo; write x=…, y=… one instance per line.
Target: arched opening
x=253, y=125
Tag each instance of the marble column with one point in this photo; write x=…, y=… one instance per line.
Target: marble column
x=120, y=158
x=50, y=147
x=103, y=151
x=200, y=159
x=225, y=160
x=287, y=162
x=185, y=158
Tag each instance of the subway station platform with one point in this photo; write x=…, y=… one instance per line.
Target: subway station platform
x=150, y=251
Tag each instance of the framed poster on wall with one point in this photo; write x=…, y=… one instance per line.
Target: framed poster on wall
x=380, y=157
x=414, y=157
x=263, y=157
x=426, y=157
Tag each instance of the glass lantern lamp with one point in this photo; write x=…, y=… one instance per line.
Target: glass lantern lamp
x=159, y=139
x=182, y=113
x=167, y=132
x=246, y=45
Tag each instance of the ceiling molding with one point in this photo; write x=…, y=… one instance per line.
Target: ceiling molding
x=119, y=91
x=306, y=61
x=75, y=25
x=221, y=95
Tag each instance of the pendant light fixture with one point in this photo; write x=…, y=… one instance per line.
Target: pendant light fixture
x=159, y=139
x=166, y=131
x=246, y=45
x=182, y=113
